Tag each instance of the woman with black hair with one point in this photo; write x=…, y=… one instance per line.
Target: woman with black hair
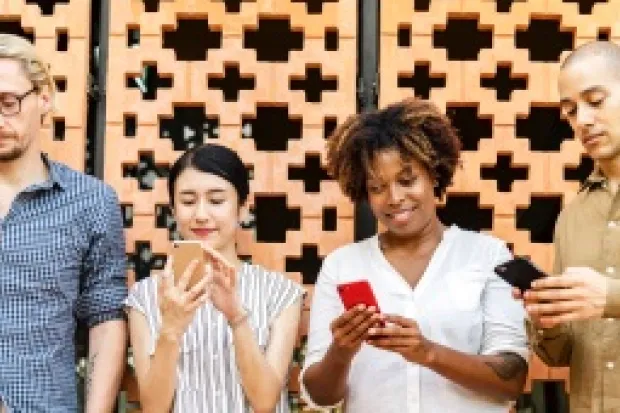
x=449, y=337
x=226, y=343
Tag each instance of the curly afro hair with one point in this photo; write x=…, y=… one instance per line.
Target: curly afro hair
x=413, y=127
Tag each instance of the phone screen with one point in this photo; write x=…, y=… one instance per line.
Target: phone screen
x=519, y=272
x=183, y=253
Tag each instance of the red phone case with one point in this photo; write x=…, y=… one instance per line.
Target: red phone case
x=357, y=292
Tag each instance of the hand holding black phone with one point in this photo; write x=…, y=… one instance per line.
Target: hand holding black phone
x=519, y=272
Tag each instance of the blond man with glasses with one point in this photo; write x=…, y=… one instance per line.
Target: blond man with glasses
x=62, y=257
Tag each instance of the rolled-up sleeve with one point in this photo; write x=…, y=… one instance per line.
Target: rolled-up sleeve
x=503, y=317
x=326, y=306
x=104, y=282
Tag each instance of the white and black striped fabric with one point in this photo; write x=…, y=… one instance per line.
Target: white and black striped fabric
x=207, y=376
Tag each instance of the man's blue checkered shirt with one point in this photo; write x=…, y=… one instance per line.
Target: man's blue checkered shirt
x=62, y=259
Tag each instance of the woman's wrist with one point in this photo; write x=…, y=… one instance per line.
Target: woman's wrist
x=340, y=355
x=169, y=336
x=432, y=354
x=236, y=311
x=237, y=316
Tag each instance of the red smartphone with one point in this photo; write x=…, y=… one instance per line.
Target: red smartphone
x=357, y=292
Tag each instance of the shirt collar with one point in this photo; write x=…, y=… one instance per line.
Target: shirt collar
x=56, y=179
x=596, y=180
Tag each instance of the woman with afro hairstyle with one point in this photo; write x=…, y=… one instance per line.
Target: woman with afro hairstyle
x=448, y=336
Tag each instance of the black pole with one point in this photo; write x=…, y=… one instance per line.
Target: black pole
x=367, y=92
x=99, y=92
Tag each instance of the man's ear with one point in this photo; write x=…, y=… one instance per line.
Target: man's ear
x=46, y=102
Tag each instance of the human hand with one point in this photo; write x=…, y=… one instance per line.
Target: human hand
x=177, y=302
x=350, y=329
x=580, y=293
x=403, y=336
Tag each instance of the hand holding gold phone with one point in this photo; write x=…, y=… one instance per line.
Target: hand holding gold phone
x=183, y=253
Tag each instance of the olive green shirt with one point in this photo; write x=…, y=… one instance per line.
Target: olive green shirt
x=587, y=234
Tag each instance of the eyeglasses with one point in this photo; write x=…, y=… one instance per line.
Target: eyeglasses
x=11, y=104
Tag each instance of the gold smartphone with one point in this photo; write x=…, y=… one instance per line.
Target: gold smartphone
x=183, y=253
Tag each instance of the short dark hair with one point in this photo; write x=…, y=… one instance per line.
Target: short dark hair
x=214, y=159
x=414, y=127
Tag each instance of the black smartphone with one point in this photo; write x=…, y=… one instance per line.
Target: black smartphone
x=519, y=272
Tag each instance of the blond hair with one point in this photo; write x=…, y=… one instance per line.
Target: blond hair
x=20, y=49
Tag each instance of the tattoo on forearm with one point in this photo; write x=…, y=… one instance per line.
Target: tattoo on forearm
x=510, y=367
x=90, y=367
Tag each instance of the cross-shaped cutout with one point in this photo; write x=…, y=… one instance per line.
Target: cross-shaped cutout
x=329, y=126
x=421, y=5
x=421, y=80
x=504, y=83
x=477, y=218
x=272, y=128
x=314, y=84
x=47, y=6
x=165, y=219
x=151, y=6
x=192, y=39
x=14, y=27
x=59, y=129
x=544, y=128
x=273, y=40
x=585, y=6
x=504, y=6
x=62, y=41
x=142, y=261
x=471, y=126
x=188, y=127
x=314, y=6
x=231, y=83
x=146, y=171
x=504, y=173
x=330, y=219
x=539, y=217
x=312, y=174
x=457, y=29
x=309, y=264
x=127, y=214
x=268, y=229
x=149, y=81
x=234, y=6
x=604, y=33
x=581, y=171
x=556, y=40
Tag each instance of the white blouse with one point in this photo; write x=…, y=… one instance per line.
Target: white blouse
x=458, y=302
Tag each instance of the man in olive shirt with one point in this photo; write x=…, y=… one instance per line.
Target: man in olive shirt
x=574, y=316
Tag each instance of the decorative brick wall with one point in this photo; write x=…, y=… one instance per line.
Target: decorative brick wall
x=267, y=78
x=493, y=66
x=61, y=33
